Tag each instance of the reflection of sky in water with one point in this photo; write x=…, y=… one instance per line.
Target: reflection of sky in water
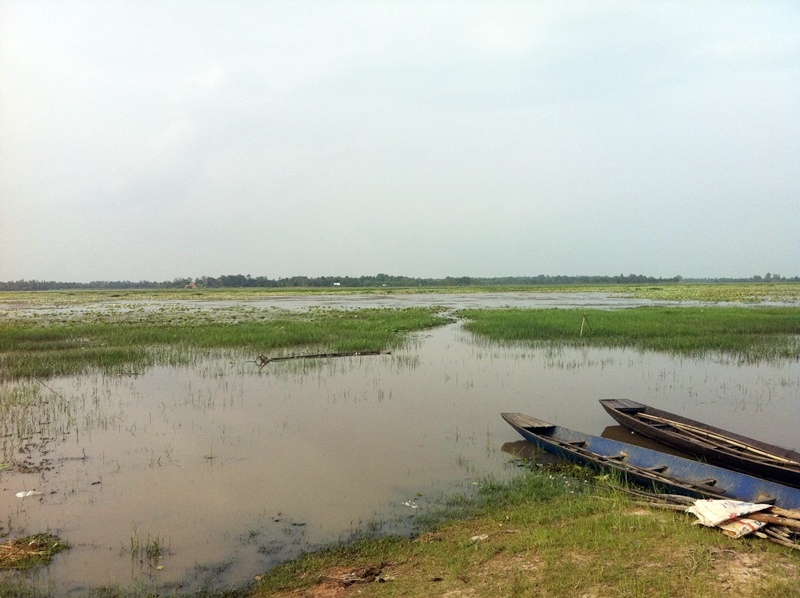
x=229, y=464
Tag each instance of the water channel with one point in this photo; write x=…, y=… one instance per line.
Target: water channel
x=232, y=468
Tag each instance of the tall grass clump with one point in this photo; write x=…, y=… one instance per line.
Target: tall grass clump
x=747, y=333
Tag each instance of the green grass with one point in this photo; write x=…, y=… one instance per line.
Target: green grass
x=746, y=333
x=115, y=340
x=549, y=535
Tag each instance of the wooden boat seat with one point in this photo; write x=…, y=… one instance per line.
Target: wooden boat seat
x=577, y=443
x=530, y=423
x=626, y=405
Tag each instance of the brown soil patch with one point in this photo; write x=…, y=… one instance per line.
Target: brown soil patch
x=341, y=581
x=739, y=571
x=504, y=564
x=742, y=572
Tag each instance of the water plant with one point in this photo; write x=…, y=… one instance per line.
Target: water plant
x=31, y=416
x=148, y=550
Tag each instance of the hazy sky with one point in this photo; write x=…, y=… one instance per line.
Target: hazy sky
x=154, y=140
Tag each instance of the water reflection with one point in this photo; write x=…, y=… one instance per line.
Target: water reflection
x=522, y=449
x=623, y=434
x=232, y=468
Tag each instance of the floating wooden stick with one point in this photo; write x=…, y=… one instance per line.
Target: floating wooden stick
x=263, y=360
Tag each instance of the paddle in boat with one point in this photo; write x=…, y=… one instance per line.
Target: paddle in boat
x=706, y=442
x=654, y=469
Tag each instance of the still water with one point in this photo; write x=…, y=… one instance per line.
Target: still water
x=231, y=468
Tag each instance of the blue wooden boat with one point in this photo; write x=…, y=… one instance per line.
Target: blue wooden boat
x=653, y=469
x=714, y=445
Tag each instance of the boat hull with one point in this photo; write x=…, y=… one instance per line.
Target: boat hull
x=653, y=469
x=711, y=444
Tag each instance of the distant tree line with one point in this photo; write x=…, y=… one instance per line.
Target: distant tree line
x=378, y=280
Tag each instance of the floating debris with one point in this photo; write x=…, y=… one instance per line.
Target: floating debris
x=31, y=551
x=28, y=493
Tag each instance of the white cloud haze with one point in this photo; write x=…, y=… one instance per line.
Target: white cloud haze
x=152, y=140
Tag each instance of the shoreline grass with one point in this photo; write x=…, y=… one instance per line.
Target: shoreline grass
x=546, y=535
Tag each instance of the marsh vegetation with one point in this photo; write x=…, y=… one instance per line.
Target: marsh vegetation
x=747, y=334
x=130, y=413
x=123, y=339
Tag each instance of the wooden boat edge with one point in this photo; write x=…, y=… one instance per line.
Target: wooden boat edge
x=771, y=469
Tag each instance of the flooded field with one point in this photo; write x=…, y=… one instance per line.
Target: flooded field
x=204, y=476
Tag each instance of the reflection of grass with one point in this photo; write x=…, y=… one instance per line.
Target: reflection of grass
x=748, y=333
x=116, y=340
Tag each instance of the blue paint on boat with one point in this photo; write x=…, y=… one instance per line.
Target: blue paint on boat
x=654, y=469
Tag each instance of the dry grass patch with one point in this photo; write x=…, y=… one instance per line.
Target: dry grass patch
x=29, y=552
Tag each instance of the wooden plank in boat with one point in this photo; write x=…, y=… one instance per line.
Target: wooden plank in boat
x=626, y=405
x=526, y=421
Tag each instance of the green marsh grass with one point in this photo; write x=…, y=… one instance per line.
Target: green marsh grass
x=114, y=341
x=745, y=333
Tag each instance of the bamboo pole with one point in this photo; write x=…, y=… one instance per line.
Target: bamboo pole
x=772, y=536
x=766, y=518
x=789, y=513
x=711, y=435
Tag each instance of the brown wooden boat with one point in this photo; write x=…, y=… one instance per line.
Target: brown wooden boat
x=708, y=443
